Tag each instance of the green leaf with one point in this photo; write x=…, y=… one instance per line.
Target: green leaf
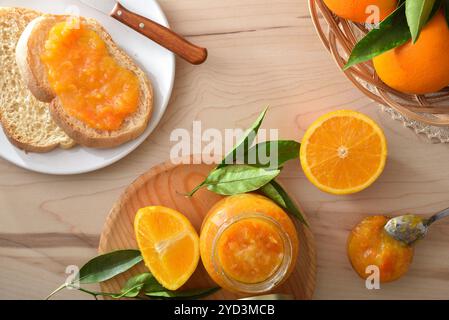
x=238, y=179
x=107, y=266
x=134, y=286
x=418, y=14
x=392, y=33
x=97, y=294
x=271, y=192
x=446, y=11
x=245, y=143
x=188, y=294
x=146, y=284
x=275, y=192
x=272, y=154
x=239, y=149
x=153, y=286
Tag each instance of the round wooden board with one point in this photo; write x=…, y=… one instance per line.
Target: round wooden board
x=165, y=185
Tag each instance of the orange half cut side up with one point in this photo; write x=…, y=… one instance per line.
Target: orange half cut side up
x=343, y=152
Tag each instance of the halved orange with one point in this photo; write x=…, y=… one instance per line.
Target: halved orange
x=343, y=152
x=169, y=245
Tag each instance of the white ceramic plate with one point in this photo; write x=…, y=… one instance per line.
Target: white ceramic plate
x=158, y=62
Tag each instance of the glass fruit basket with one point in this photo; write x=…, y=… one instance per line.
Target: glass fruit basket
x=427, y=114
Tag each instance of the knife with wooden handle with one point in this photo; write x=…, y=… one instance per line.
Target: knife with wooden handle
x=152, y=30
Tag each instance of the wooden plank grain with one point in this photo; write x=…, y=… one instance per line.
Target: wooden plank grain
x=48, y=240
x=262, y=52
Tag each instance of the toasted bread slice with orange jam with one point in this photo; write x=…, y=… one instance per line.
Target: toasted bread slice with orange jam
x=34, y=72
x=25, y=121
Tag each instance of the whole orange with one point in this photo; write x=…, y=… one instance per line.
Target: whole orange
x=422, y=67
x=361, y=10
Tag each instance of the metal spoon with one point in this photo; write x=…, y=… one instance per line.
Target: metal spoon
x=411, y=228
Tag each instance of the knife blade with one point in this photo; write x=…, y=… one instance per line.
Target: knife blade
x=151, y=29
x=104, y=6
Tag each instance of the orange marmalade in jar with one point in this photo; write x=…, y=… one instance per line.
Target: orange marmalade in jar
x=248, y=244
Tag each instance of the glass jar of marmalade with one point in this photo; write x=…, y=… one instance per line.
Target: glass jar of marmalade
x=248, y=244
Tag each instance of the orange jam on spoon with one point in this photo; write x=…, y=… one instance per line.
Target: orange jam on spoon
x=370, y=245
x=89, y=82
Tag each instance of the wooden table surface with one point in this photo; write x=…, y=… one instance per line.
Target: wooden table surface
x=261, y=52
